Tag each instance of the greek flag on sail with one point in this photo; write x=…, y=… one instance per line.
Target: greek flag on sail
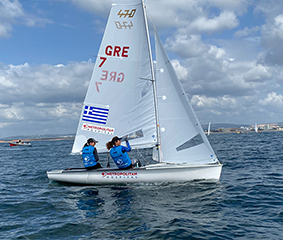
x=95, y=114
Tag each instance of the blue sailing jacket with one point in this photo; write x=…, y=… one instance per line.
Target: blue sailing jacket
x=120, y=156
x=88, y=156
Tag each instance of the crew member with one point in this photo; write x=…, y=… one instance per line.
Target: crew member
x=119, y=153
x=90, y=156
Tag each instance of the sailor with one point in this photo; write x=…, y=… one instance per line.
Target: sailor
x=119, y=153
x=90, y=156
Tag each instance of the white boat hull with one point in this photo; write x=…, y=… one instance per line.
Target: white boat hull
x=150, y=173
x=13, y=144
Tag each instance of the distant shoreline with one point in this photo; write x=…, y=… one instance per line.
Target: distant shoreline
x=72, y=138
x=241, y=132
x=37, y=139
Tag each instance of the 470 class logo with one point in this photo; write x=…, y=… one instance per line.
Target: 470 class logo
x=125, y=24
x=127, y=13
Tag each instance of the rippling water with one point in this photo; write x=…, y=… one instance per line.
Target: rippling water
x=247, y=203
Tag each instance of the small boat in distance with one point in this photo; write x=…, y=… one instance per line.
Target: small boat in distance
x=19, y=143
x=256, y=128
x=208, y=130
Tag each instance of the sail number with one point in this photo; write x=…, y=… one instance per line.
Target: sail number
x=112, y=76
x=114, y=51
x=127, y=13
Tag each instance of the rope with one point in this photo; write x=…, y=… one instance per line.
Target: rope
x=142, y=156
x=108, y=156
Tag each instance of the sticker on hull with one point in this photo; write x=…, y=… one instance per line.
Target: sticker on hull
x=119, y=175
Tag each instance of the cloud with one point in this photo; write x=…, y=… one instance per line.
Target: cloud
x=258, y=74
x=9, y=12
x=274, y=29
x=186, y=45
x=272, y=106
x=239, y=6
x=271, y=31
x=99, y=7
x=216, y=108
x=12, y=113
x=225, y=21
x=44, y=83
x=31, y=96
x=12, y=12
x=34, y=21
x=212, y=73
x=173, y=14
x=181, y=71
x=247, y=32
x=270, y=9
x=273, y=100
x=219, y=102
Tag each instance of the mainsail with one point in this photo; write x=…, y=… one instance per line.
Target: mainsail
x=120, y=100
x=182, y=137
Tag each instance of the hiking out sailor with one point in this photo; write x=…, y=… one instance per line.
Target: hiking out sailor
x=119, y=153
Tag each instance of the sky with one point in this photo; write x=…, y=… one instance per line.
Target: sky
x=228, y=55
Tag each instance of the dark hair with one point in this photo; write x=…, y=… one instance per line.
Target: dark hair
x=115, y=139
x=109, y=145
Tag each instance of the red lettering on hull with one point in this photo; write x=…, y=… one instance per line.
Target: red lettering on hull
x=119, y=175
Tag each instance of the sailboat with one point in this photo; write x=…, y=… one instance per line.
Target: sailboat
x=130, y=95
x=256, y=128
x=208, y=129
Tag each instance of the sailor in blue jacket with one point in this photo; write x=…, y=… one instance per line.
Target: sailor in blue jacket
x=90, y=156
x=119, y=153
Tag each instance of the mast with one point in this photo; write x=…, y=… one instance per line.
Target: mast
x=154, y=87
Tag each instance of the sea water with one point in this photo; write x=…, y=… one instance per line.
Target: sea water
x=247, y=202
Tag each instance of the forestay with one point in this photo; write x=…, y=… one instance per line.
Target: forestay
x=182, y=137
x=119, y=99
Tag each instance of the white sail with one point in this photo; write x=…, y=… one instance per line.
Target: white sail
x=182, y=137
x=256, y=128
x=208, y=129
x=119, y=100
